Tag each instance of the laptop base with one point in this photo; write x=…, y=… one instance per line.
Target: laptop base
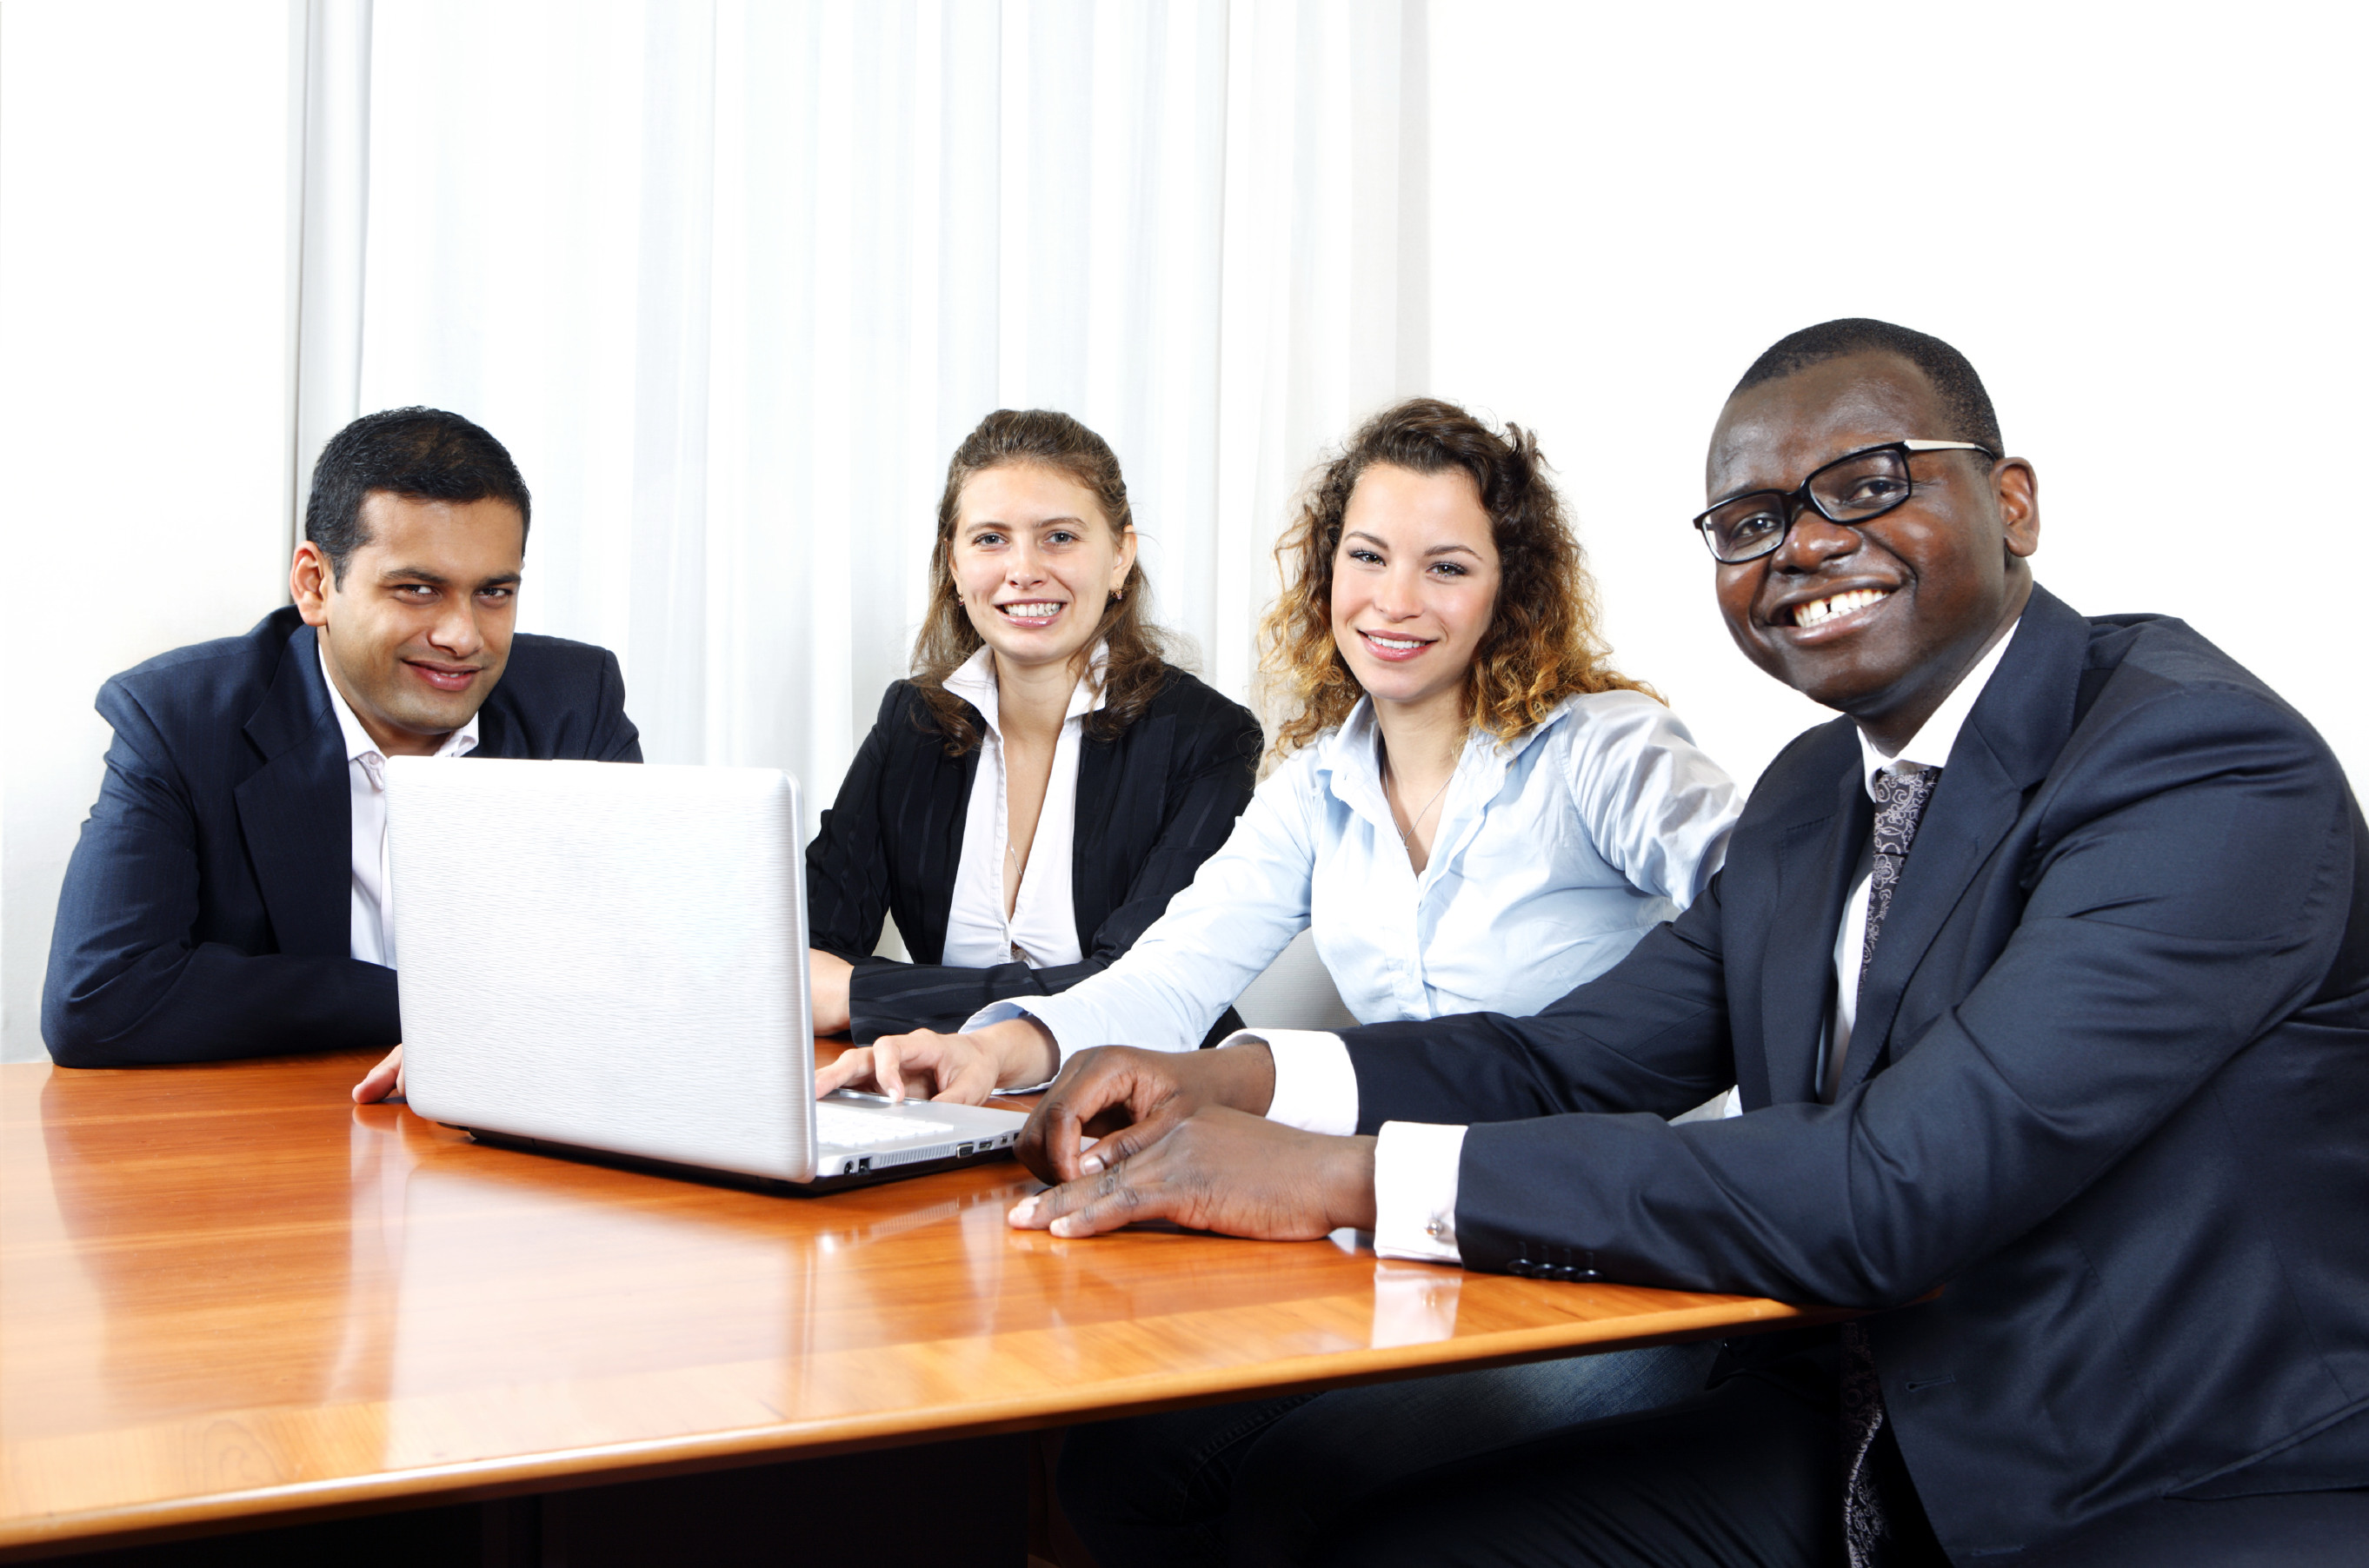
x=772, y=1186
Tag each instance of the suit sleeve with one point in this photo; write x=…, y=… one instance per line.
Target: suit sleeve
x=2188, y=888
x=128, y=985
x=1216, y=770
x=616, y=737
x=1648, y=1034
x=847, y=865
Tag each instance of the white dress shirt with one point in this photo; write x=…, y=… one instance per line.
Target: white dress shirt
x=1416, y=1163
x=1553, y=857
x=1043, y=929
x=370, y=925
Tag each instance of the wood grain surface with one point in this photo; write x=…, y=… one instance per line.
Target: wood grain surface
x=227, y=1291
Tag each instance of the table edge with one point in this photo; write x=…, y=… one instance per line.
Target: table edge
x=30, y=1536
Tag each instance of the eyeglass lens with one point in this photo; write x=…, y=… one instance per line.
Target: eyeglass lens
x=1865, y=485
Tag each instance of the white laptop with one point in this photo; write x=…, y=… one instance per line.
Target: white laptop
x=609, y=960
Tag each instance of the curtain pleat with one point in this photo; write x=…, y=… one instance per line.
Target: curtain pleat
x=731, y=279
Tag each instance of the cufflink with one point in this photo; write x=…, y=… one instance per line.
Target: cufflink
x=1440, y=1229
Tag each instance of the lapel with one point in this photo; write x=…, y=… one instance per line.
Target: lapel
x=293, y=811
x=2011, y=738
x=931, y=792
x=496, y=735
x=1091, y=827
x=1815, y=859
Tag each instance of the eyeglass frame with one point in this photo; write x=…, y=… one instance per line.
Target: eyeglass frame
x=1799, y=497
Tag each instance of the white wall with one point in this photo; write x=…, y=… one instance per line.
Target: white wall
x=144, y=309
x=2142, y=225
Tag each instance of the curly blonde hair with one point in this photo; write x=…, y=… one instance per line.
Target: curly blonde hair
x=1542, y=643
x=1136, y=668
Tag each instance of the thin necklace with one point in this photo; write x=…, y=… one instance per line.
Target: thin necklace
x=1406, y=835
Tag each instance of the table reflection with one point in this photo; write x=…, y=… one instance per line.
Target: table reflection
x=288, y=1288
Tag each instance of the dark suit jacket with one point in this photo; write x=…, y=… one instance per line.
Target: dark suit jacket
x=2109, y=1091
x=207, y=908
x=1153, y=805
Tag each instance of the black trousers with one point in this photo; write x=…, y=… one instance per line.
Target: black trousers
x=1748, y=1475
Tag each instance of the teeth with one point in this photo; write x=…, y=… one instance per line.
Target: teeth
x=1399, y=645
x=1032, y=611
x=1818, y=612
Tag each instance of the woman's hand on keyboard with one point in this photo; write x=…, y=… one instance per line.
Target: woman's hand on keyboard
x=964, y=1069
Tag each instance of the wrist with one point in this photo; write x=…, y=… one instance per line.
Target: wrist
x=1350, y=1189
x=1025, y=1051
x=1245, y=1076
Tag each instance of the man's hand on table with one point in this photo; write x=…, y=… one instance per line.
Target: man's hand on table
x=1220, y=1170
x=1184, y=1136
x=961, y=1069
x=383, y=1080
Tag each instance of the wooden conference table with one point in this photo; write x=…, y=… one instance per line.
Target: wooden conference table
x=227, y=1293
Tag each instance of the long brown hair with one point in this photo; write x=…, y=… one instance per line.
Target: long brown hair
x=1542, y=643
x=1136, y=668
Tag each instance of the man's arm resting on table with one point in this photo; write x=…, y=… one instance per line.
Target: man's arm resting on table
x=2188, y=888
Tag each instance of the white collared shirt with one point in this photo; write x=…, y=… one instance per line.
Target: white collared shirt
x=1043, y=929
x=1929, y=748
x=1416, y=1163
x=369, y=924
x=1553, y=857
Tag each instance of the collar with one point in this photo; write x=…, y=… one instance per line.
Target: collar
x=1932, y=745
x=1349, y=759
x=359, y=744
x=974, y=682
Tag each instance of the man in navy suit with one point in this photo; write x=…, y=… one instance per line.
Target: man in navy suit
x=2044, y=976
x=229, y=895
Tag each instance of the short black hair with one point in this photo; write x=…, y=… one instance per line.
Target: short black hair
x=1967, y=406
x=423, y=454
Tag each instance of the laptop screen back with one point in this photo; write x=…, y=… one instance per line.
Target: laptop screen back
x=606, y=955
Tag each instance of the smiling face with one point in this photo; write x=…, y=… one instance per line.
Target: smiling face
x=1414, y=582
x=1880, y=620
x=418, y=633
x=1035, y=562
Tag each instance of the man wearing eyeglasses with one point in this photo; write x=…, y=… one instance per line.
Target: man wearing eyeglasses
x=2044, y=974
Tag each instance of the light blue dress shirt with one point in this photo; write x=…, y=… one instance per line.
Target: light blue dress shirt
x=1553, y=857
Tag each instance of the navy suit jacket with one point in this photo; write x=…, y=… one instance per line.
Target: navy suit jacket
x=206, y=911
x=1153, y=803
x=2108, y=1092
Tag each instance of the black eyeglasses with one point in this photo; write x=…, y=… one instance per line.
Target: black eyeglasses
x=1852, y=489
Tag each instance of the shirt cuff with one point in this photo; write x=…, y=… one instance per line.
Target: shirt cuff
x=1415, y=1167
x=1315, y=1086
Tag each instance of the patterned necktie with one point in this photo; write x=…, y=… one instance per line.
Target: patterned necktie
x=1867, y=1526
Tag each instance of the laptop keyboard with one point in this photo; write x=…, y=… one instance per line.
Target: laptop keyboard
x=852, y=1126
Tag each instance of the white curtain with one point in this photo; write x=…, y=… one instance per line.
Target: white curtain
x=731, y=279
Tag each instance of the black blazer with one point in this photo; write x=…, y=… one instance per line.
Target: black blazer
x=1153, y=805
x=2108, y=1091
x=206, y=910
